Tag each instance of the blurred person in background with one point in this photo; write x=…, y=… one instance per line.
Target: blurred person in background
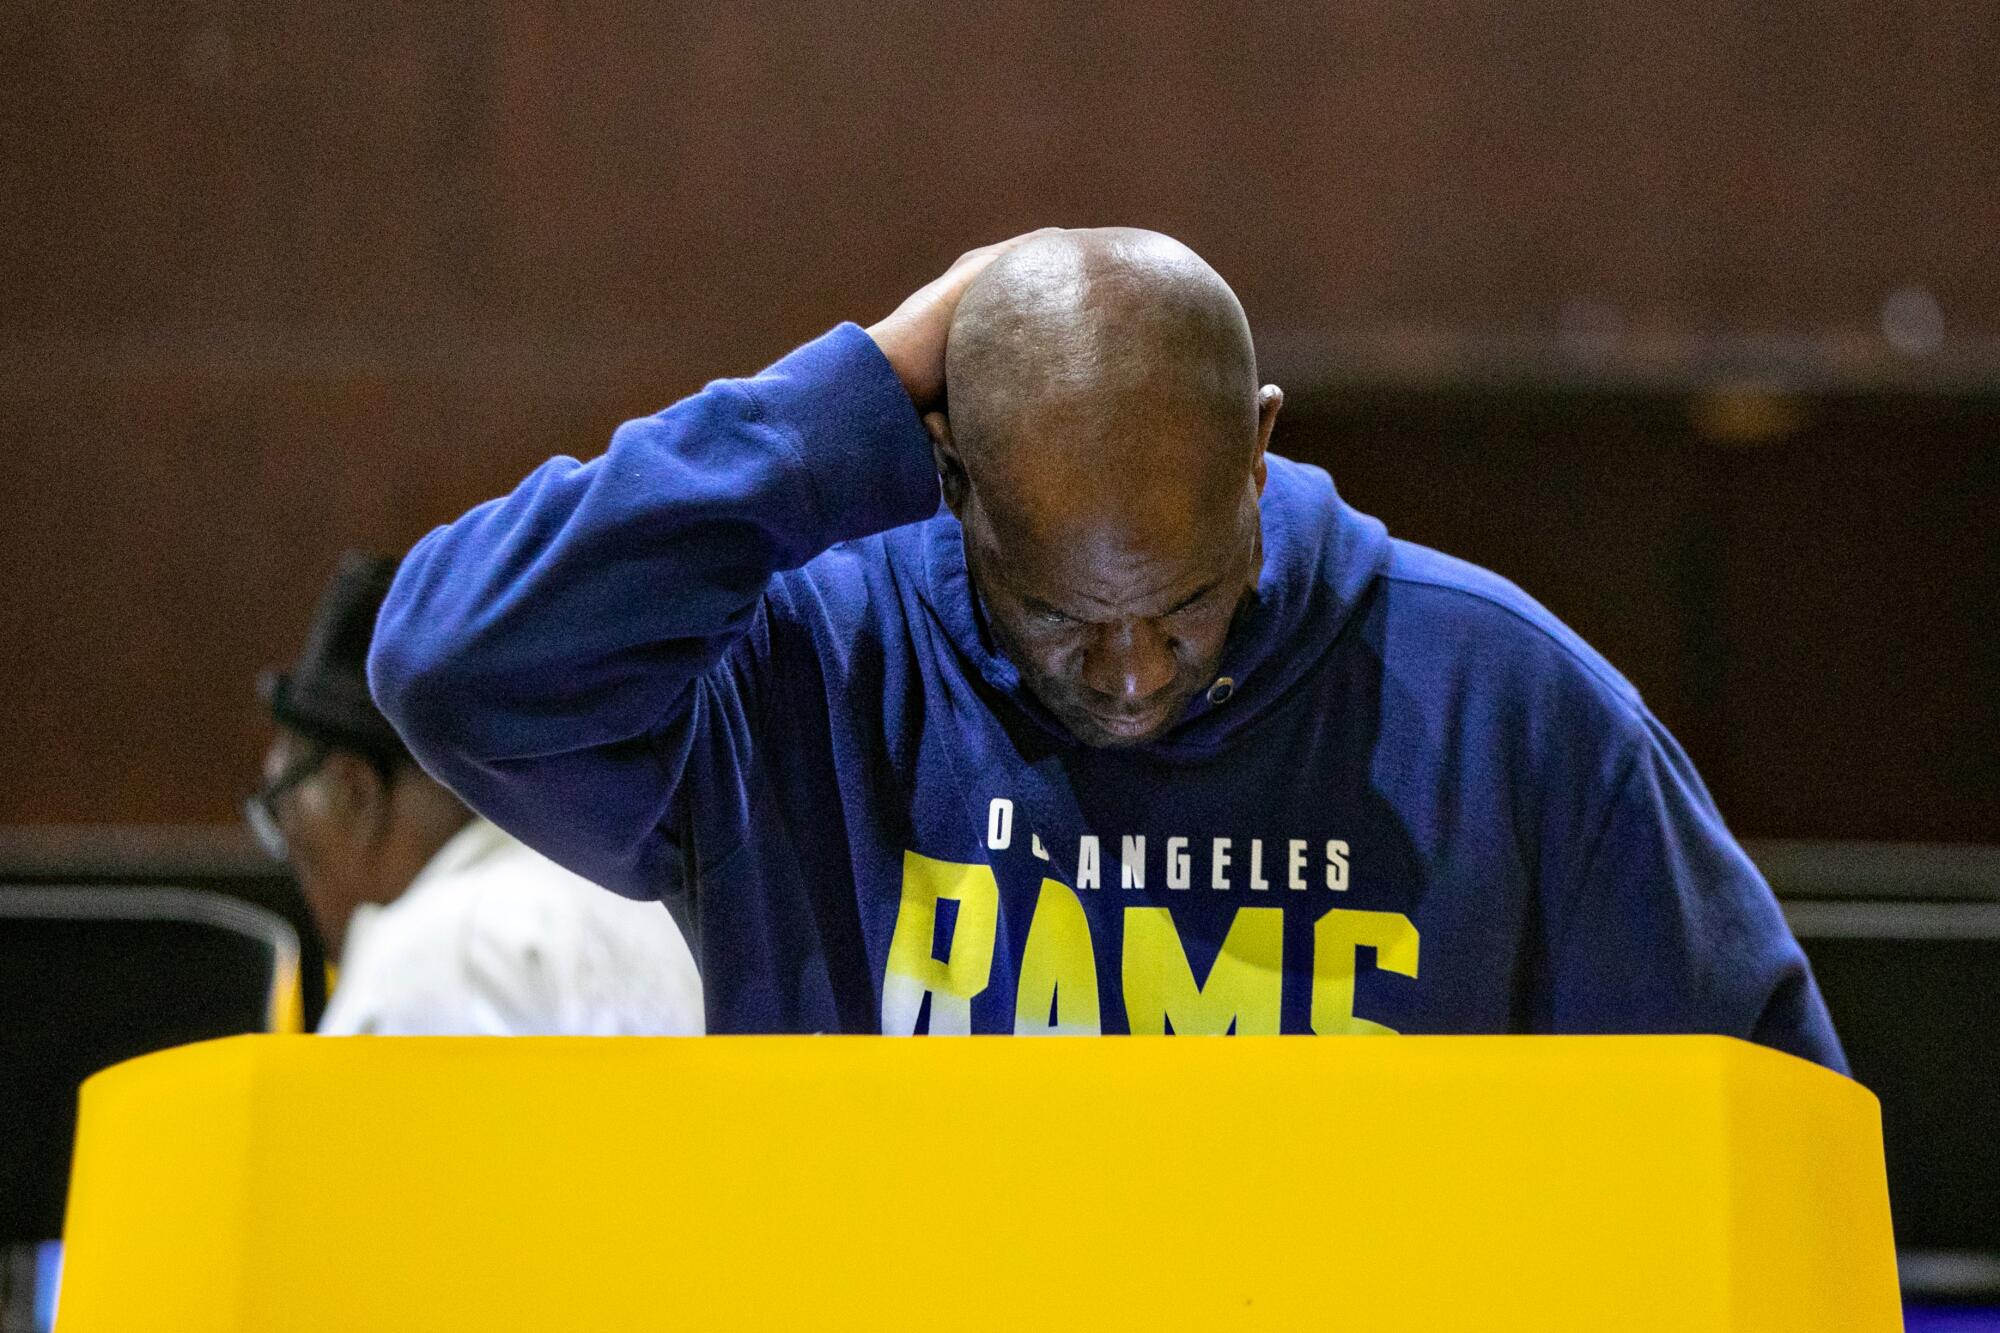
x=443, y=923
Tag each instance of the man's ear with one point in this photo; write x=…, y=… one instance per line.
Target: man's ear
x=1269, y=399
x=944, y=453
x=350, y=791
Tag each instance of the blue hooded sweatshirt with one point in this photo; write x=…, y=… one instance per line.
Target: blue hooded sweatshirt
x=736, y=664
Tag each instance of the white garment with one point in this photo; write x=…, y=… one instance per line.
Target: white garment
x=495, y=939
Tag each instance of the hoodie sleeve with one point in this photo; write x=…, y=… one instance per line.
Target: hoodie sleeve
x=1672, y=929
x=557, y=656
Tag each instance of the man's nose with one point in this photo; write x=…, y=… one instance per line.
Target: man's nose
x=1129, y=661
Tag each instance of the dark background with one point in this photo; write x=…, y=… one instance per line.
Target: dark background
x=1591, y=293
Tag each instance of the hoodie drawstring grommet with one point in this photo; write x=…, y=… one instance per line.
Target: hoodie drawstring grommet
x=1219, y=692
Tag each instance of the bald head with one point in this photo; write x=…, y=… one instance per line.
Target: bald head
x=1109, y=352
x=1103, y=450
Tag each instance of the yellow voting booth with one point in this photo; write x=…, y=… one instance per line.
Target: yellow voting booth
x=1435, y=1183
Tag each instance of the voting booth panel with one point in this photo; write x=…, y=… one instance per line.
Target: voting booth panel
x=1656, y=1183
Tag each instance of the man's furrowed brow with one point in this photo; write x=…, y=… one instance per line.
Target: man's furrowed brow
x=1045, y=607
x=1195, y=596
x=1042, y=606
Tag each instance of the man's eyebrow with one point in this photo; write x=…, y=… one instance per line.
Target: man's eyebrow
x=1195, y=596
x=1034, y=603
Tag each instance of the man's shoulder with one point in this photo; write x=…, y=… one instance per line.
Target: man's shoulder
x=517, y=888
x=506, y=940
x=480, y=866
x=1443, y=605
x=511, y=896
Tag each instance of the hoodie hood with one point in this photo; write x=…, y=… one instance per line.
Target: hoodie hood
x=1320, y=557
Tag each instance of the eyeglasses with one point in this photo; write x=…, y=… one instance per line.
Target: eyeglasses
x=260, y=809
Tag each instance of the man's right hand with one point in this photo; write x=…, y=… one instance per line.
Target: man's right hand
x=912, y=337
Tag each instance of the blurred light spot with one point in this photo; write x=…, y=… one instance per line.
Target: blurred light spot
x=1912, y=321
x=1746, y=413
x=207, y=57
x=1589, y=329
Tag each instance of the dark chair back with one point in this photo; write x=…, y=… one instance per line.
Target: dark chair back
x=1905, y=941
x=91, y=975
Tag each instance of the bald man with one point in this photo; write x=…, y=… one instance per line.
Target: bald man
x=1142, y=729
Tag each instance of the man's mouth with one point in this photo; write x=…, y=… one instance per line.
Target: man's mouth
x=1126, y=725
